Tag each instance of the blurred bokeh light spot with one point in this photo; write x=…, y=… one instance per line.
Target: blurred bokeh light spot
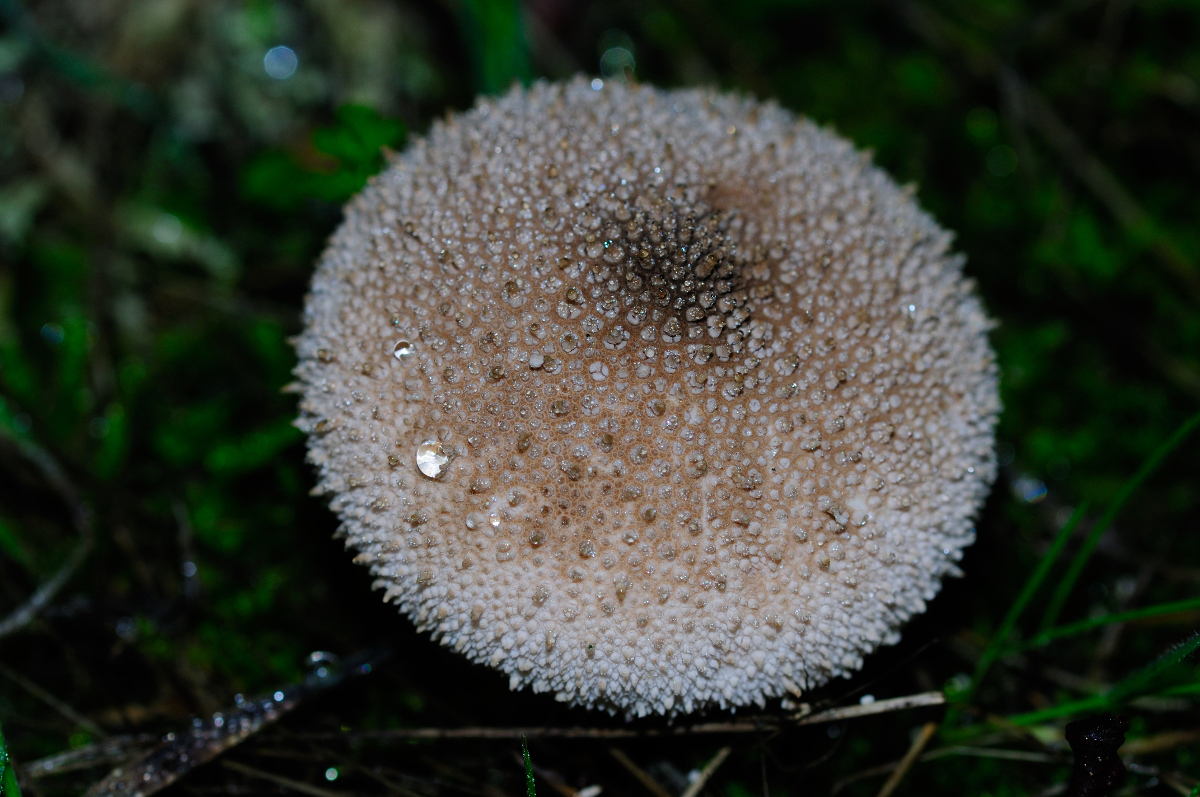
x=616, y=55
x=597, y=83
x=982, y=124
x=1029, y=489
x=280, y=62
x=167, y=229
x=617, y=64
x=53, y=333
x=12, y=88
x=1001, y=160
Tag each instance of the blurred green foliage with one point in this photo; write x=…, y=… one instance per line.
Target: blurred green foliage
x=163, y=198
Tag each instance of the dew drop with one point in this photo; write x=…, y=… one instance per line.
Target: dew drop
x=402, y=349
x=432, y=459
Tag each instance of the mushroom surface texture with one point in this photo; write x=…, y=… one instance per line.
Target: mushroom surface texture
x=655, y=400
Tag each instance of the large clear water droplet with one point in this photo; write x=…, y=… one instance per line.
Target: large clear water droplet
x=402, y=349
x=431, y=459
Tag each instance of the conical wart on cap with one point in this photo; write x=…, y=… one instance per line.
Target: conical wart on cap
x=651, y=399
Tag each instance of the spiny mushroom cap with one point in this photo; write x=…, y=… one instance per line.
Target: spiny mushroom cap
x=650, y=399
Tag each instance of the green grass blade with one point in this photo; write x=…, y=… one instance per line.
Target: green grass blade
x=1137, y=682
x=1127, y=490
x=8, y=774
x=1186, y=690
x=530, y=791
x=1097, y=703
x=1132, y=686
x=1000, y=638
x=1083, y=626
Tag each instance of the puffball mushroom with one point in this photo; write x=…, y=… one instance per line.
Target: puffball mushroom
x=651, y=399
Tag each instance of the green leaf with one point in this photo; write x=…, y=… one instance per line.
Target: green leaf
x=284, y=180
x=252, y=450
x=359, y=136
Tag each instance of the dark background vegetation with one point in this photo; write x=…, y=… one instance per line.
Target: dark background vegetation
x=162, y=200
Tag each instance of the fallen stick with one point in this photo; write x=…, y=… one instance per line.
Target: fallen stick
x=753, y=725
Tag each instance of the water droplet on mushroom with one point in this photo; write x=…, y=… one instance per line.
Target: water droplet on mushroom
x=402, y=349
x=432, y=459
